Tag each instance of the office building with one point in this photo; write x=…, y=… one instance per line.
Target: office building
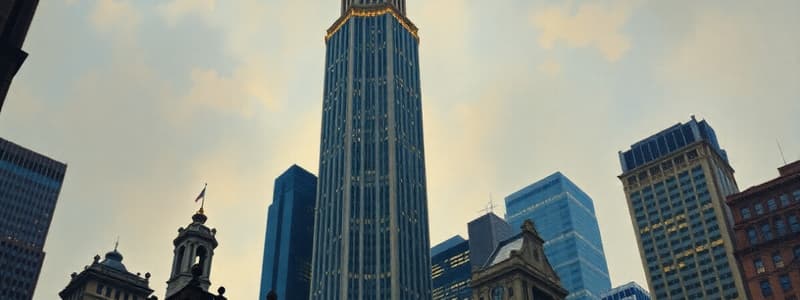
x=451, y=270
x=286, y=267
x=371, y=237
x=675, y=183
x=518, y=269
x=29, y=188
x=108, y=279
x=15, y=19
x=485, y=233
x=767, y=234
x=628, y=291
x=565, y=218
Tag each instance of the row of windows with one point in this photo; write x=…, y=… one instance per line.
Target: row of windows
x=784, y=281
x=771, y=205
x=31, y=161
x=115, y=294
x=769, y=231
x=664, y=167
x=777, y=261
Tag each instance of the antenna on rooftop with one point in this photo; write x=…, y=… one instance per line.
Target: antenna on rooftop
x=781, y=151
x=489, y=206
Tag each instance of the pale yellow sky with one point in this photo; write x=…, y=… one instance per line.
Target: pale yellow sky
x=147, y=100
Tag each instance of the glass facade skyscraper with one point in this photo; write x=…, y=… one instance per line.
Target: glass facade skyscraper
x=675, y=183
x=29, y=188
x=286, y=267
x=629, y=291
x=565, y=218
x=371, y=227
x=451, y=270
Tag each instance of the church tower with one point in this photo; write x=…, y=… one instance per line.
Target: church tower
x=194, y=245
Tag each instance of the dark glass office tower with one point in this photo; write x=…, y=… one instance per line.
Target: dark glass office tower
x=15, y=19
x=371, y=233
x=286, y=267
x=29, y=187
x=485, y=233
x=565, y=218
x=676, y=182
x=451, y=270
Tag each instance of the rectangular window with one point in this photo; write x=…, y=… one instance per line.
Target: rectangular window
x=784, y=200
x=786, y=283
x=766, y=290
x=766, y=232
x=746, y=213
x=796, y=253
x=759, y=209
x=772, y=204
x=777, y=260
x=796, y=195
x=759, y=265
x=780, y=226
x=793, y=224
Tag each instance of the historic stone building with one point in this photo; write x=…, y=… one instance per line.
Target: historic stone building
x=518, y=269
x=191, y=265
x=107, y=279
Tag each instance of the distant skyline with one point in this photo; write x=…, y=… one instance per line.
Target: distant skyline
x=146, y=101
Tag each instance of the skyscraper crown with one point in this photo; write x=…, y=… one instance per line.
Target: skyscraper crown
x=399, y=5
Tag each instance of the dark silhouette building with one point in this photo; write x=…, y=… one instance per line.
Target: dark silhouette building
x=107, y=279
x=518, y=269
x=485, y=233
x=15, y=19
x=767, y=233
x=29, y=187
x=286, y=266
x=191, y=263
x=371, y=238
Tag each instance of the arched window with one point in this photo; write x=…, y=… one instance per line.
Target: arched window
x=200, y=258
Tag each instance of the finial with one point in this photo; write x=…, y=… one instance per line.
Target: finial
x=116, y=244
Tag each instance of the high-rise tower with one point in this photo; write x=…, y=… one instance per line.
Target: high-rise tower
x=15, y=19
x=566, y=220
x=676, y=182
x=371, y=225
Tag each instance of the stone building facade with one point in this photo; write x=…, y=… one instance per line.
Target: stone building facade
x=518, y=269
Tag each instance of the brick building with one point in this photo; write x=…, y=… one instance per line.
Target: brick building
x=767, y=233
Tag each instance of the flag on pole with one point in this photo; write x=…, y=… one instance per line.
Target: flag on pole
x=202, y=194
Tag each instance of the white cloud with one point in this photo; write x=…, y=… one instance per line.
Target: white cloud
x=592, y=25
x=175, y=10
x=115, y=16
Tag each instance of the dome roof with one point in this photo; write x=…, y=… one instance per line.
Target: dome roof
x=114, y=260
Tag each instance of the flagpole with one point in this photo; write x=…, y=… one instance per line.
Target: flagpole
x=203, y=202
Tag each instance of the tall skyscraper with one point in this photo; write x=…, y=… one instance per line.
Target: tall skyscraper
x=286, y=267
x=451, y=270
x=767, y=235
x=29, y=188
x=371, y=227
x=15, y=19
x=485, y=233
x=675, y=183
x=565, y=218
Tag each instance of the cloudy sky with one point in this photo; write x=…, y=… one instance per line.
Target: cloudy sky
x=147, y=100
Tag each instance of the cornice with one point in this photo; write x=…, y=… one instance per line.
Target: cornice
x=372, y=11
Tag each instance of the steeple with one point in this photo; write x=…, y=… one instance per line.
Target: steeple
x=194, y=245
x=399, y=5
